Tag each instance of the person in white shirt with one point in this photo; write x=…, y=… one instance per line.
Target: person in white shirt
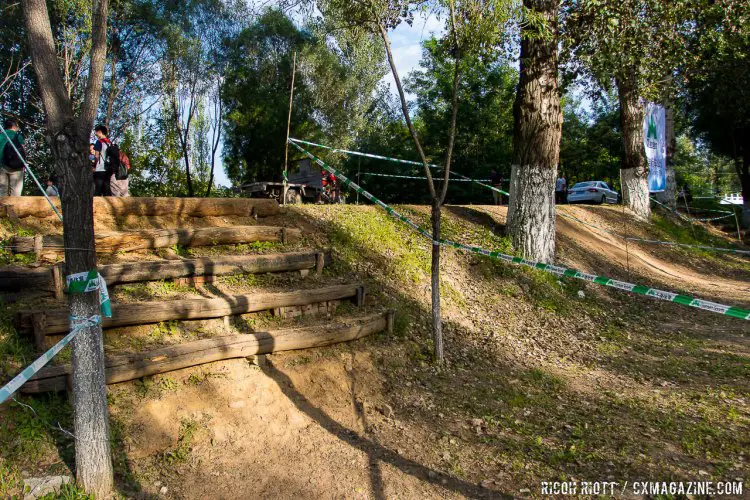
x=561, y=188
x=101, y=174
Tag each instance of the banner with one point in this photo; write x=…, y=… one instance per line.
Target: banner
x=654, y=138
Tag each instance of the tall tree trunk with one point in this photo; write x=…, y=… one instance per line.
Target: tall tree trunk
x=634, y=170
x=536, y=140
x=69, y=143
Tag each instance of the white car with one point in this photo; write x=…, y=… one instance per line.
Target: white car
x=592, y=192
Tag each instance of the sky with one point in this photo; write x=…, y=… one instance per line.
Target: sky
x=407, y=51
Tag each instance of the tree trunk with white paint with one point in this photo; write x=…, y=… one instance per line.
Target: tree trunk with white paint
x=634, y=170
x=536, y=141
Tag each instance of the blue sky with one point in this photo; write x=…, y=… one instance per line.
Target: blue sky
x=406, y=46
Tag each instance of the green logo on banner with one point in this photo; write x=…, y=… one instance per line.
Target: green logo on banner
x=651, y=135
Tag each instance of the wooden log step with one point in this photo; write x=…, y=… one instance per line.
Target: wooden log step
x=16, y=278
x=37, y=206
x=134, y=366
x=55, y=321
x=126, y=241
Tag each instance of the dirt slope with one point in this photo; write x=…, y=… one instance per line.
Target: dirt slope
x=539, y=384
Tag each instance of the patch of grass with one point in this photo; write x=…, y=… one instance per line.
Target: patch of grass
x=543, y=380
x=201, y=376
x=258, y=247
x=68, y=491
x=239, y=280
x=181, y=452
x=401, y=251
x=27, y=430
x=155, y=386
x=10, y=479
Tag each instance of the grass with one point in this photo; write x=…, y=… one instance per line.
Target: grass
x=181, y=452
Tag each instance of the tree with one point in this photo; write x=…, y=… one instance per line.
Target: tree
x=479, y=30
x=718, y=85
x=536, y=139
x=591, y=142
x=334, y=86
x=68, y=135
x=635, y=45
x=484, y=130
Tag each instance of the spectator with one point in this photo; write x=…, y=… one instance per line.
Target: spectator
x=496, y=182
x=11, y=164
x=120, y=187
x=101, y=173
x=52, y=189
x=561, y=189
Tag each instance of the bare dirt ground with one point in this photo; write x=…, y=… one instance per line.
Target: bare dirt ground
x=539, y=384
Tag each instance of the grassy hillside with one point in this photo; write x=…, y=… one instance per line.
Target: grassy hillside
x=541, y=382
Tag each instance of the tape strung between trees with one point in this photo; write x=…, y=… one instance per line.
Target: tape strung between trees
x=735, y=312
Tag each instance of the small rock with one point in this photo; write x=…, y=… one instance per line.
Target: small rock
x=157, y=484
x=431, y=474
x=702, y=473
x=486, y=483
x=524, y=490
x=163, y=491
x=237, y=404
x=40, y=486
x=386, y=410
x=581, y=295
x=452, y=441
x=446, y=456
x=400, y=451
x=477, y=422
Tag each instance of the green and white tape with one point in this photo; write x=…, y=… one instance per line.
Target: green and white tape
x=77, y=283
x=31, y=370
x=705, y=305
x=395, y=160
x=89, y=282
x=418, y=177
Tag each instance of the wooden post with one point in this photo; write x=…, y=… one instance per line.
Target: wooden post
x=58, y=283
x=737, y=221
x=283, y=236
x=360, y=299
x=389, y=320
x=320, y=259
x=38, y=246
x=39, y=325
x=288, y=127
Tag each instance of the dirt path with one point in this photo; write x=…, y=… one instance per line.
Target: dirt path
x=576, y=241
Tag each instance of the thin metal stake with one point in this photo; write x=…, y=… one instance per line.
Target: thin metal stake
x=288, y=126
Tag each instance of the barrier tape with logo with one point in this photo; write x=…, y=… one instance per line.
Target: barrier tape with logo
x=468, y=179
x=422, y=178
x=395, y=160
x=77, y=283
x=705, y=305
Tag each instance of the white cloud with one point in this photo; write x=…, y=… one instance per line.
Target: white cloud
x=406, y=44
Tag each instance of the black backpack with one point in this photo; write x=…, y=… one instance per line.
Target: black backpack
x=11, y=159
x=112, y=158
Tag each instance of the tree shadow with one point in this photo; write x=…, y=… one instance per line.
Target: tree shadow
x=374, y=451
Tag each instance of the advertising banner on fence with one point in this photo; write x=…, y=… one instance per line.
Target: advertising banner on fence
x=654, y=137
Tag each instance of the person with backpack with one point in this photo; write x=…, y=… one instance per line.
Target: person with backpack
x=12, y=158
x=119, y=184
x=107, y=162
